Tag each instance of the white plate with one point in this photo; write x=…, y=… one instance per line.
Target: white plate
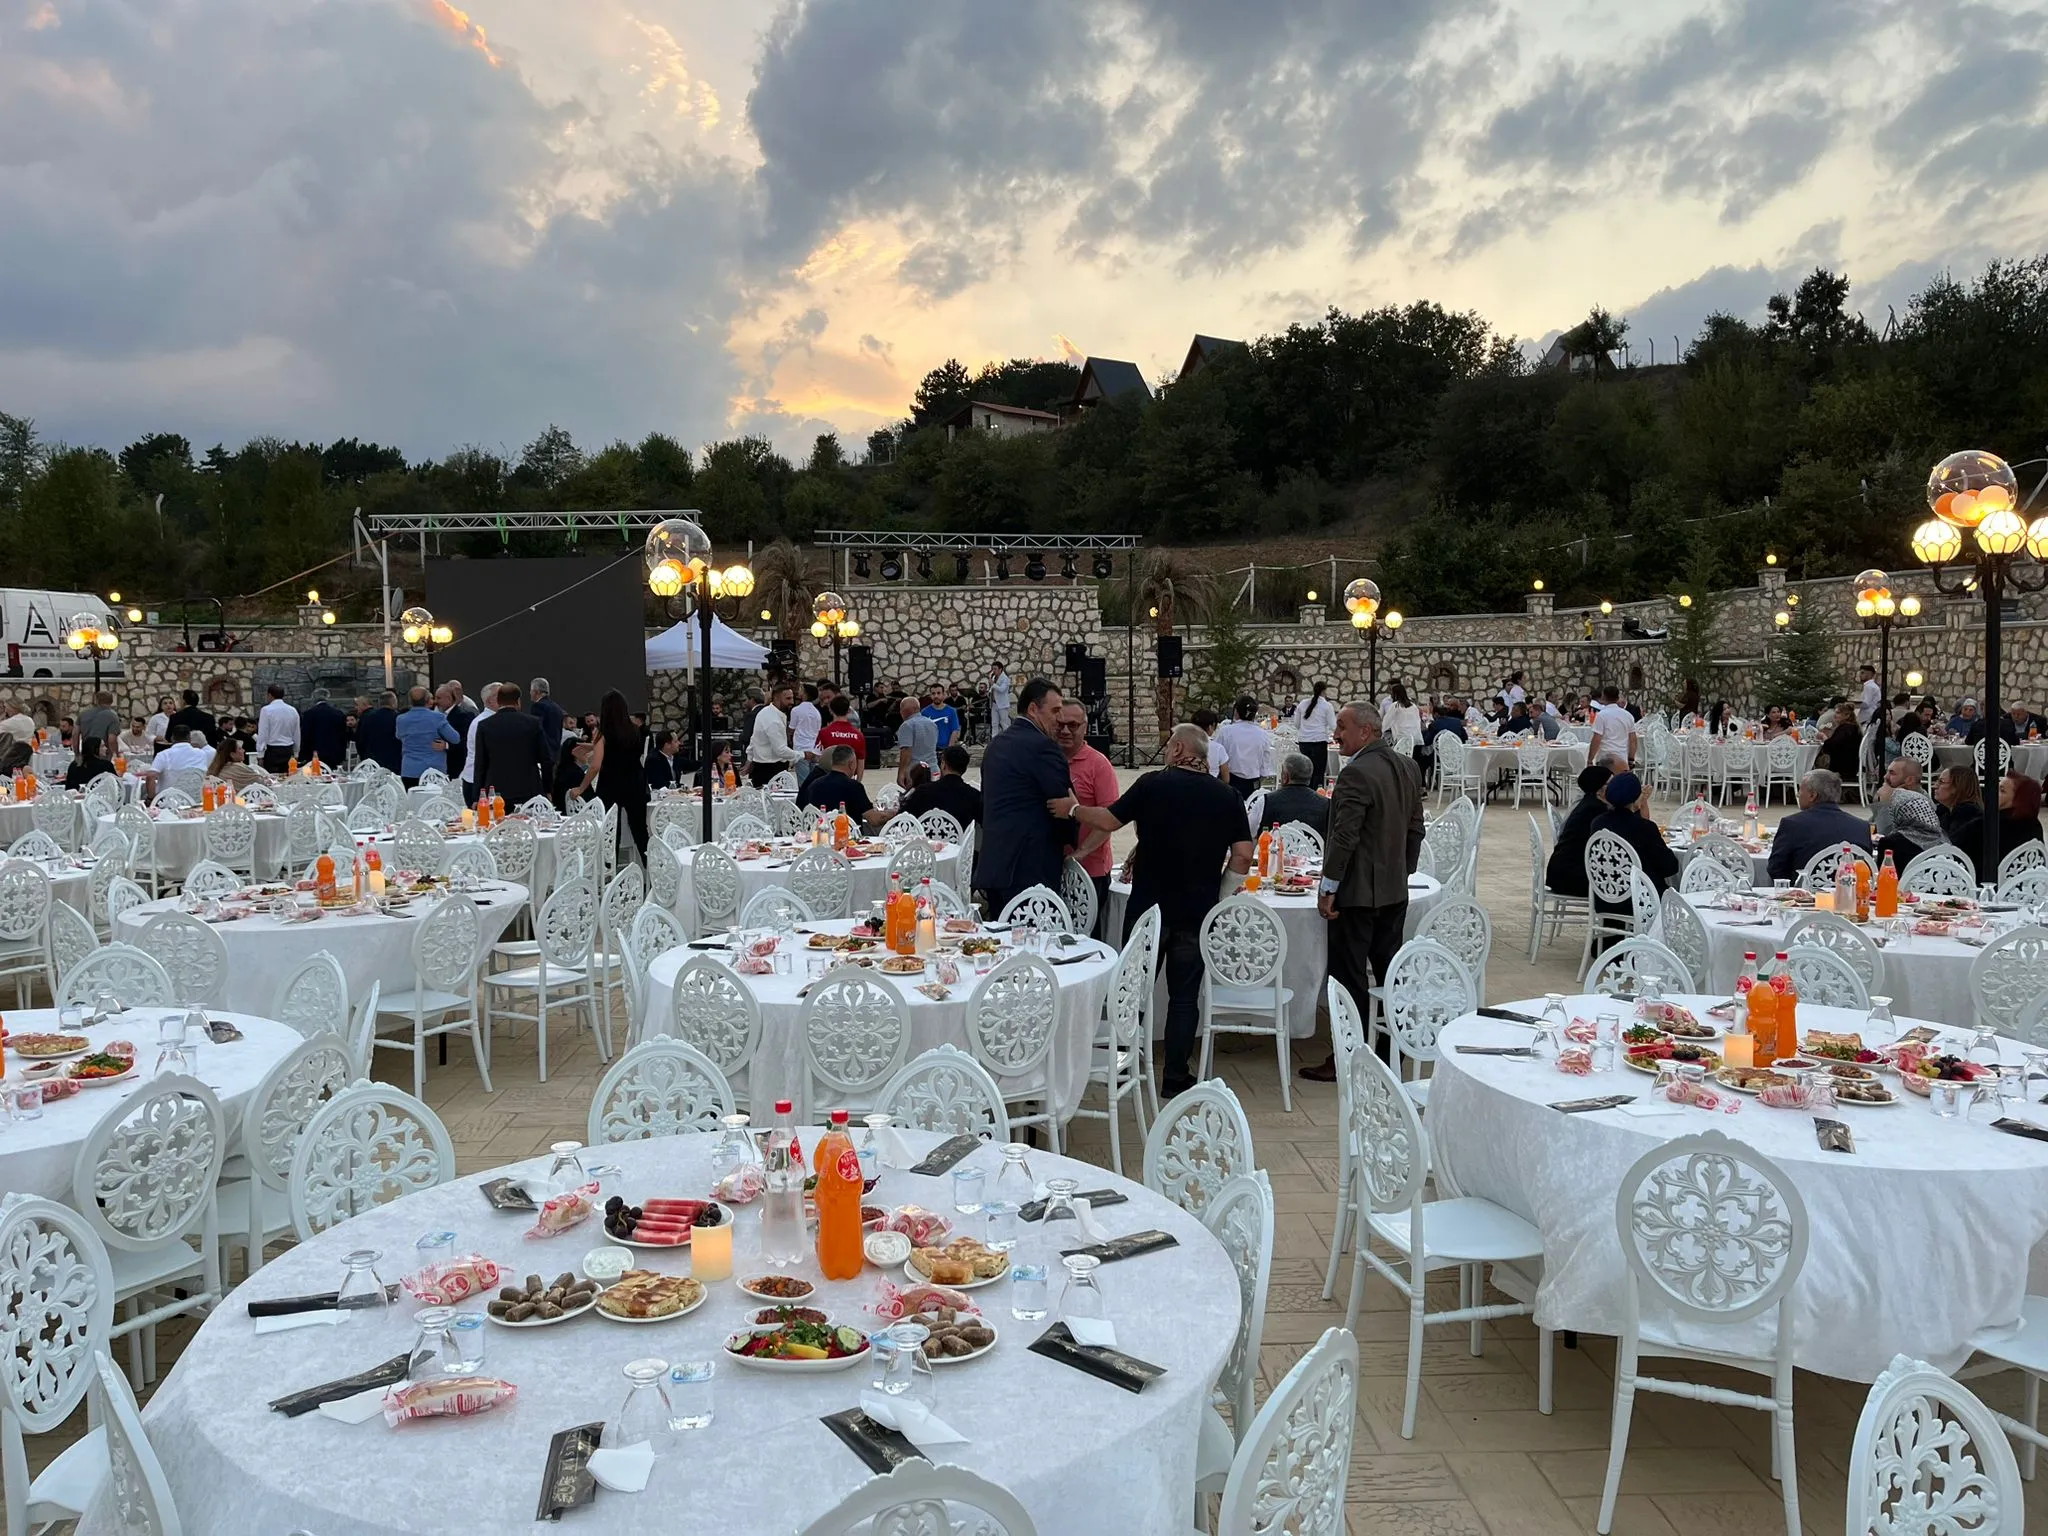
x=541, y=1322
x=634, y=1242
x=76, y=1050
x=625, y=1263
x=101, y=1082
x=910, y=1272
x=703, y=1295
x=939, y=1360
x=790, y=1367
x=804, y=1300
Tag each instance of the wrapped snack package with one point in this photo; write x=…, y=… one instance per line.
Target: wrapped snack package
x=924, y=1228
x=1784, y=1095
x=754, y=965
x=762, y=947
x=443, y=1395
x=121, y=1048
x=55, y=1088
x=443, y=1285
x=1700, y=1097
x=743, y=1185
x=1581, y=1031
x=1932, y=928
x=893, y=1301
x=564, y=1211
x=1576, y=1060
x=948, y=971
x=1667, y=1014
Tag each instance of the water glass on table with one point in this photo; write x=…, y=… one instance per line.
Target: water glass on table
x=1606, y=1039
x=689, y=1395
x=1028, y=1292
x=645, y=1417
x=968, y=1184
x=434, y=1350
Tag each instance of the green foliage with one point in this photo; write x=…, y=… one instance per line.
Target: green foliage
x=1224, y=668
x=1800, y=671
x=1691, y=646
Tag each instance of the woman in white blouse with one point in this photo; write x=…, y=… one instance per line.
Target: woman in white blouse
x=1315, y=717
x=1402, y=720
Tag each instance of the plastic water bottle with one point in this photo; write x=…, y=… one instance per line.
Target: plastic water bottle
x=782, y=1204
x=1749, y=818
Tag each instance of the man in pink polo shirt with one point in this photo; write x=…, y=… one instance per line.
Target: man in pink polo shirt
x=1094, y=784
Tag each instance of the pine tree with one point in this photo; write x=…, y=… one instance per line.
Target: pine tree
x=1229, y=656
x=1800, y=672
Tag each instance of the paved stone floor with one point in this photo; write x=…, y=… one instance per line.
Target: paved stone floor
x=1483, y=1461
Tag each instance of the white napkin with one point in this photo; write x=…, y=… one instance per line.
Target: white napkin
x=1095, y=1332
x=1642, y=1109
x=357, y=1409
x=624, y=1470
x=326, y=1317
x=1090, y=1227
x=912, y=1419
x=894, y=1153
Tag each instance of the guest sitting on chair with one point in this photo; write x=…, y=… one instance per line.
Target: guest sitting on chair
x=1566, y=872
x=1820, y=822
x=1294, y=800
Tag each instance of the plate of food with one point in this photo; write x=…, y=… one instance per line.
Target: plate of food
x=768, y=1319
x=1838, y=1047
x=47, y=1047
x=799, y=1348
x=660, y=1223
x=540, y=1303
x=1651, y=1057
x=856, y=944
x=1676, y=1020
x=960, y=925
x=776, y=1287
x=1751, y=1079
x=100, y=1067
x=826, y=941
x=903, y=965
x=981, y=944
x=642, y=1296
x=965, y=1263
x=1942, y=1069
x=1862, y=1090
x=956, y=1336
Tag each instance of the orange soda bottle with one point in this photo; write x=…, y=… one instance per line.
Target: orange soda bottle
x=1863, y=884
x=839, y=1190
x=1887, y=888
x=842, y=829
x=1762, y=1003
x=323, y=876
x=497, y=808
x=291, y=764
x=1788, y=1008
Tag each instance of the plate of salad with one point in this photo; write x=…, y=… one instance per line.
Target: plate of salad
x=799, y=1347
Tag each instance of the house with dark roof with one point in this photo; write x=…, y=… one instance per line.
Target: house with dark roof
x=1002, y=420
x=1205, y=349
x=1107, y=378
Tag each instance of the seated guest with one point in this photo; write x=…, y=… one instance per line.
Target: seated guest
x=1518, y=721
x=1820, y=822
x=2019, y=813
x=1294, y=800
x=1904, y=820
x=1965, y=717
x=232, y=767
x=135, y=742
x=570, y=767
x=1566, y=871
x=1844, y=745
x=836, y=788
x=193, y=752
x=949, y=792
x=1628, y=817
x=1980, y=728
x=90, y=763
x=715, y=771
x=661, y=762
x=1773, y=723
x=1449, y=717
x=1959, y=802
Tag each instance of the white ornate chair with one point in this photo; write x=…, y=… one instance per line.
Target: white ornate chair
x=941, y=827
x=1825, y=978
x=903, y=828
x=856, y=1034
x=419, y=846
x=1293, y=1460
x=100, y=880
x=123, y=895
x=561, y=975
x=445, y=950
x=369, y=816
x=368, y=1145
x=888, y=797
x=1532, y=768
x=1546, y=905
x=1819, y=873
x=1830, y=930
x=1121, y=1060
x=1299, y=840
x=1011, y=1020
x=1929, y=1456
x=362, y=1029
x=314, y=997
x=1679, y=926
x=207, y=878
x=1446, y=840
x=1077, y=890
x=1241, y=1219
x=1244, y=952
x=823, y=879
x=918, y=1498
x=1714, y=1233
x=257, y=1205
x=1040, y=906
x=59, y=1285
x=949, y=902
x=2007, y=975
x=144, y=1178
x=623, y=895
x=181, y=790
x=1391, y=1158
x=1729, y=854
x=1461, y=925
x=2029, y=888
x=1704, y=877
x=1611, y=868
x=963, y=863
x=55, y=815
x=656, y=930
x=36, y=844
x=2004, y=760
x=140, y=829
x=945, y=1089
x=1781, y=766
x=24, y=920
x=664, y=874
x=470, y=861
x=2030, y=855
x=1200, y=1141
x=661, y=1087
x=71, y=939
x=774, y=907
x=1620, y=971
x=191, y=953
x=911, y=860
x=715, y=883
x=1943, y=870
x=513, y=846
x=712, y=1009
x=744, y=828
x=230, y=838
x=137, y=1492
x=1427, y=986
x=132, y=975
x=782, y=786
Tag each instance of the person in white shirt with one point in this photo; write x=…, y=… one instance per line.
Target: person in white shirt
x=804, y=723
x=158, y=725
x=1614, y=729
x=193, y=753
x=1401, y=720
x=1245, y=744
x=999, y=698
x=277, y=732
x=1873, y=698
x=768, y=749
x=1515, y=693
x=1315, y=717
x=470, y=789
x=19, y=725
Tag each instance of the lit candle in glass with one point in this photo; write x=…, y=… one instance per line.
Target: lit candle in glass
x=468, y=820
x=711, y=1252
x=927, y=933
x=1738, y=1048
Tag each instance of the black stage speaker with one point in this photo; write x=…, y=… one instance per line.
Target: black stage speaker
x=860, y=668
x=1094, y=679
x=783, y=653
x=1077, y=656
x=1169, y=655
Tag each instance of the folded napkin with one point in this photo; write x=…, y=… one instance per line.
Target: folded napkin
x=1090, y=1229
x=322, y=1319
x=910, y=1419
x=624, y=1470
x=894, y=1151
x=359, y=1409
x=1095, y=1332
x=1645, y=1108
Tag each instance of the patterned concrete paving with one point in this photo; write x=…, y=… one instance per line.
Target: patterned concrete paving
x=1483, y=1461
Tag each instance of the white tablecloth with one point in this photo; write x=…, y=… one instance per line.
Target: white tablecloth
x=1920, y=1237
x=68, y=884
x=181, y=843
x=723, y=808
x=1928, y=978
x=1758, y=751
x=262, y=952
x=1759, y=861
x=542, y=875
x=2029, y=757
x=1082, y=1455
x=869, y=883
x=1308, y=946
x=1496, y=761
x=778, y=1068
x=36, y=1155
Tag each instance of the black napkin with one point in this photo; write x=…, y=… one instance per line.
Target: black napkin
x=389, y=1374
x=1105, y=1364
x=1096, y=1198
x=1583, y=1106
x=505, y=1195
x=320, y=1301
x=1833, y=1135
x=1507, y=1014
x=1495, y=1050
x=882, y=1448
x=565, y=1479
x=948, y=1152
x=2013, y=1127
x=1127, y=1247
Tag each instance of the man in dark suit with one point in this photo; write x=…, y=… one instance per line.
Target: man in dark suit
x=549, y=714
x=1027, y=801
x=1820, y=822
x=1294, y=800
x=661, y=765
x=323, y=731
x=192, y=718
x=377, y=733
x=511, y=757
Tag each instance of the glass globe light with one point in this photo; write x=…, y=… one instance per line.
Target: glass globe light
x=1791, y=599
x=1770, y=559
x=1967, y=487
x=714, y=581
x=441, y=634
x=1865, y=608
x=1915, y=678
x=1393, y=619
x=1362, y=596
x=1909, y=606
x=1361, y=621
x=106, y=640
x=113, y=597
x=2037, y=538
x=828, y=607
x=1886, y=608
x=1781, y=618
x=676, y=550
x=767, y=615
x=1312, y=595
x=1937, y=542
x=739, y=581
x=416, y=617
x=1871, y=583
x=2001, y=532
x=818, y=630
x=1606, y=607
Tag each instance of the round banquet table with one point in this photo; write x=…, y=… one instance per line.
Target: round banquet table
x=2028, y=757
x=1497, y=760
x=723, y=808
x=262, y=952
x=1920, y=1237
x=777, y=1071
x=1759, y=858
x=1925, y=976
x=181, y=842
x=17, y=819
x=1759, y=756
x=1308, y=946
x=36, y=1155
x=1081, y=1454
x=870, y=882
x=70, y=881
x=542, y=877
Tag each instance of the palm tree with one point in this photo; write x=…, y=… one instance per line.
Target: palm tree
x=783, y=577
x=1170, y=582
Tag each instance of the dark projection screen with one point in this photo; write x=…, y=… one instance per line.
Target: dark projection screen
x=516, y=620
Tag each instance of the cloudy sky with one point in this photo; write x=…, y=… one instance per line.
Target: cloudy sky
x=400, y=220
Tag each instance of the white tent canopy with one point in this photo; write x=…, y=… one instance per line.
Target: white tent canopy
x=676, y=648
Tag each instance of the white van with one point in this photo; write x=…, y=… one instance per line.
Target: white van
x=35, y=625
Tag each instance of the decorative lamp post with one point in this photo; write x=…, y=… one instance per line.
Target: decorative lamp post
x=1362, y=601
x=419, y=627
x=1914, y=679
x=831, y=621
x=1974, y=492
x=85, y=633
x=1877, y=607
x=677, y=557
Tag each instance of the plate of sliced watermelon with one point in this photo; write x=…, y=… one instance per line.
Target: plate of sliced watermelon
x=661, y=1223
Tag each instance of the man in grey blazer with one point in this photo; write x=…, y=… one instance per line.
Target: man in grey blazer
x=1374, y=844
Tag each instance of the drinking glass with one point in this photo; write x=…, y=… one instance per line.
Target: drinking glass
x=871, y=1145
x=910, y=1368
x=361, y=1288
x=170, y=1039
x=968, y=1184
x=1082, y=1297
x=1002, y=1225
x=434, y=1248
x=71, y=1018
x=104, y=1004
x=882, y=1345
x=816, y=966
x=1984, y=1048
x=434, y=1350
x=689, y=1395
x=1947, y=1097
x=647, y=1411
x=1061, y=1221
x=735, y=1151
x=2012, y=1084
x=26, y=1102
x=1014, y=1183
x=1880, y=1026
x=2037, y=1064
x=566, y=1171
x=782, y=961
x=467, y=1330
x=1027, y=1292
x=1606, y=1039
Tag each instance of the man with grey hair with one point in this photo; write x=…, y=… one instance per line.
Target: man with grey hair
x=549, y=714
x=1820, y=822
x=1294, y=800
x=1374, y=844
x=323, y=731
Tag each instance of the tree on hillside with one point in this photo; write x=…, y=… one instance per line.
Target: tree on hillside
x=1598, y=336
x=1031, y=383
x=21, y=459
x=348, y=462
x=549, y=460
x=941, y=392
x=1229, y=659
